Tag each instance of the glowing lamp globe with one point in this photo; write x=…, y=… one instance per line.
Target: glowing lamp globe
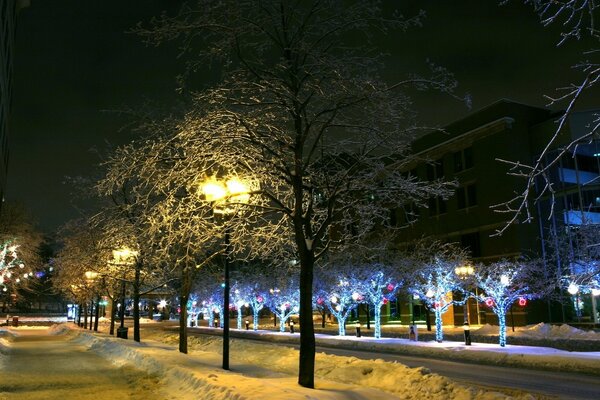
x=429, y=293
x=333, y=300
x=504, y=280
x=489, y=302
x=522, y=301
x=573, y=289
x=355, y=296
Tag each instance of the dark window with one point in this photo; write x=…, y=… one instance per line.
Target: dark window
x=471, y=242
x=466, y=196
x=437, y=205
x=435, y=170
x=463, y=159
x=394, y=217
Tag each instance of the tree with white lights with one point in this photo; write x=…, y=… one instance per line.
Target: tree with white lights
x=305, y=112
x=506, y=282
x=10, y=265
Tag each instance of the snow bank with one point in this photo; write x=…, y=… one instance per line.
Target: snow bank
x=548, y=331
x=394, y=378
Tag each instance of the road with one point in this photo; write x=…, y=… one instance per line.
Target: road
x=562, y=385
x=45, y=367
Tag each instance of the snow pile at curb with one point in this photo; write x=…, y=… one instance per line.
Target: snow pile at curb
x=548, y=331
x=394, y=378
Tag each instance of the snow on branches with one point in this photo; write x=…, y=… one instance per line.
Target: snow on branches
x=506, y=282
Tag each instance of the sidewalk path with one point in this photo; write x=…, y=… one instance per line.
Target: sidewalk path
x=47, y=367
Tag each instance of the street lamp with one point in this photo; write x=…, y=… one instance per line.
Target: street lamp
x=464, y=273
x=224, y=196
x=122, y=257
x=90, y=277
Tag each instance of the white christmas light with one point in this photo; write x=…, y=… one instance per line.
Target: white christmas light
x=573, y=289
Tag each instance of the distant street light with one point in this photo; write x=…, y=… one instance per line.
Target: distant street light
x=225, y=197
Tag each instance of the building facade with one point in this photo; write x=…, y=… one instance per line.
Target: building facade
x=468, y=152
x=8, y=16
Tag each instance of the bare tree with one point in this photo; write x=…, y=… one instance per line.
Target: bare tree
x=578, y=21
x=302, y=113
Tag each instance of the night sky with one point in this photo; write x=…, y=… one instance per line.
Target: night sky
x=74, y=63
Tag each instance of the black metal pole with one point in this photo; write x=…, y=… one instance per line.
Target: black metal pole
x=226, y=304
x=97, y=313
x=122, y=310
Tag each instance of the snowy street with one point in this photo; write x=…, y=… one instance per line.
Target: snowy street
x=47, y=367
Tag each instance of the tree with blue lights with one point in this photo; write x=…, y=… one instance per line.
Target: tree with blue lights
x=378, y=288
x=435, y=281
x=240, y=296
x=283, y=301
x=256, y=300
x=193, y=310
x=504, y=283
x=340, y=292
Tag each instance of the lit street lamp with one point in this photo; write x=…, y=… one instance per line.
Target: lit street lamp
x=122, y=257
x=90, y=277
x=224, y=196
x=465, y=273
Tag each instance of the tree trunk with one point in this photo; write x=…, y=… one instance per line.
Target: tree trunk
x=439, y=333
x=306, y=371
x=184, y=295
x=255, y=311
x=377, y=320
x=502, y=323
x=85, y=315
x=136, y=302
x=113, y=314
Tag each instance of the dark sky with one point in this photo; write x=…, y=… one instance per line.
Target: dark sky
x=74, y=61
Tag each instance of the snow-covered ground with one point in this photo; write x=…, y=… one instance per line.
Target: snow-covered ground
x=263, y=371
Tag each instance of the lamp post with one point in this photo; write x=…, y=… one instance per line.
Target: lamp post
x=90, y=277
x=224, y=196
x=465, y=273
x=122, y=257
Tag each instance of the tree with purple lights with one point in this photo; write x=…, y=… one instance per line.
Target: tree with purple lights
x=504, y=283
x=435, y=280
